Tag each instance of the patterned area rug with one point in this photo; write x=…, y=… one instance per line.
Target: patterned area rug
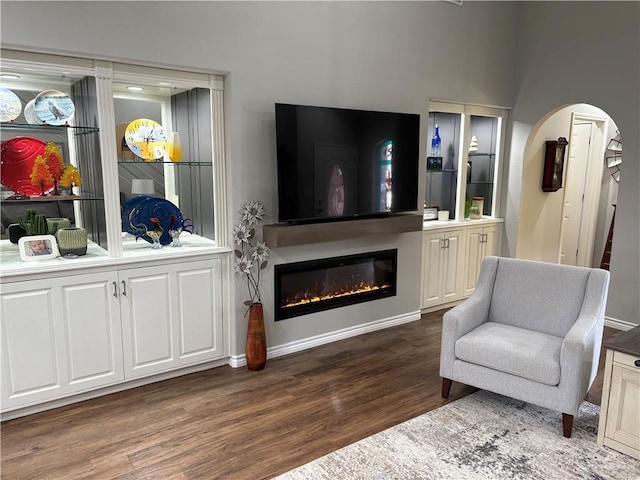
x=481, y=436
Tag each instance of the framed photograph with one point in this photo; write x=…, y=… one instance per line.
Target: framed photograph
x=434, y=163
x=430, y=213
x=37, y=247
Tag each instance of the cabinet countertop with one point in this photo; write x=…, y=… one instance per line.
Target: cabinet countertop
x=12, y=268
x=436, y=224
x=626, y=342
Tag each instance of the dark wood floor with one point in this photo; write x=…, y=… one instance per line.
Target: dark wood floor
x=230, y=423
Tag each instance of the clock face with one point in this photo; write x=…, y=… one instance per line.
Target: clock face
x=146, y=139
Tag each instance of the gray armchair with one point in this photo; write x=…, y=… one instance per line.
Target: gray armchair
x=531, y=331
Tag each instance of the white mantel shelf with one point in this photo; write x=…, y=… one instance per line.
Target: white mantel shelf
x=284, y=235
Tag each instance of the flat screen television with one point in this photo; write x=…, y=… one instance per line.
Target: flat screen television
x=339, y=164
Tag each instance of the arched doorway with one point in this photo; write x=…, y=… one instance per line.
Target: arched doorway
x=571, y=225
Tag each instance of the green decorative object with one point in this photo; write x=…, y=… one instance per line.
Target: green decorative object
x=467, y=207
x=56, y=224
x=35, y=224
x=72, y=241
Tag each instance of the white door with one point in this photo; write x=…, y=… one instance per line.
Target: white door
x=575, y=184
x=582, y=185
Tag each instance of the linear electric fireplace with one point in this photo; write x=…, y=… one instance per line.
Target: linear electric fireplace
x=312, y=286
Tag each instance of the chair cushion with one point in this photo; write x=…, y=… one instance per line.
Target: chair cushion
x=513, y=350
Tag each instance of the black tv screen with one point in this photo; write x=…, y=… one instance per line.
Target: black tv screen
x=336, y=164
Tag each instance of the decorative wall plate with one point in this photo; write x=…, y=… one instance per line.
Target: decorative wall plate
x=10, y=105
x=127, y=209
x=30, y=114
x=161, y=209
x=17, y=157
x=146, y=138
x=54, y=107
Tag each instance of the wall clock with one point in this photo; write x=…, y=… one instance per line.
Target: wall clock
x=553, y=164
x=146, y=139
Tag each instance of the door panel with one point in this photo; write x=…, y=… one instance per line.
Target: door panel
x=31, y=369
x=575, y=184
x=147, y=320
x=94, y=340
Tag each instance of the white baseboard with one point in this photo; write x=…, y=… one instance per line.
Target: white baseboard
x=618, y=324
x=306, y=343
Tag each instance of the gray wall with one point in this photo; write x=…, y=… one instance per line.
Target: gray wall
x=566, y=50
x=389, y=56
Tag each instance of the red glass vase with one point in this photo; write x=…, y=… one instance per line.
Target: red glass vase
x=256, y=350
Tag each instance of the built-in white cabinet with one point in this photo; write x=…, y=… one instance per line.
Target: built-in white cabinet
x=59, y=337
x=169, y=316
x=71, y=334
x=123, y=311
x=480, y=242
x=443, y=256
x=452, y=254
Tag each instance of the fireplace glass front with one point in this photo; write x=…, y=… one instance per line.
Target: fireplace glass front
x=312, y=286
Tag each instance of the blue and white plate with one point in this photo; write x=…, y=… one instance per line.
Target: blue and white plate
x=159, y=208
x=54, y=107
x=127, y=210
x=10, y=105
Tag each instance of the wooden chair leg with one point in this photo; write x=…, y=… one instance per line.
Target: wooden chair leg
x=567, y=424
x=446, y=387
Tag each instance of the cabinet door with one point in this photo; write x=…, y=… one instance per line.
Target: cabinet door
x=171, y=316
x=623, y=417
x=33, y=367
x=148, y=317
x=480, y=242
x=452, y=265
x=92, y=330
x=59, y=339
x=474, y=246
x=199, y=302
x=432, y=244
x=491, y=240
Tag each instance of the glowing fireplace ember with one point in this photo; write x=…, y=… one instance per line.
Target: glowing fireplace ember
x=316, y=285
x=308, y=297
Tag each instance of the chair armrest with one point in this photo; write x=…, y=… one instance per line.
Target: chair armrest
x=580, y=351
x=470, y=314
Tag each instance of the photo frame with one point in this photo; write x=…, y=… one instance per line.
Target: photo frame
x=434, y=163
x=430, y=213
x=38, y=247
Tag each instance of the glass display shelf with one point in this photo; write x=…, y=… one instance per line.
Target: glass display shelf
x=51, y=198
x=160, y=162
x=444, y=170
x=44, y=128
